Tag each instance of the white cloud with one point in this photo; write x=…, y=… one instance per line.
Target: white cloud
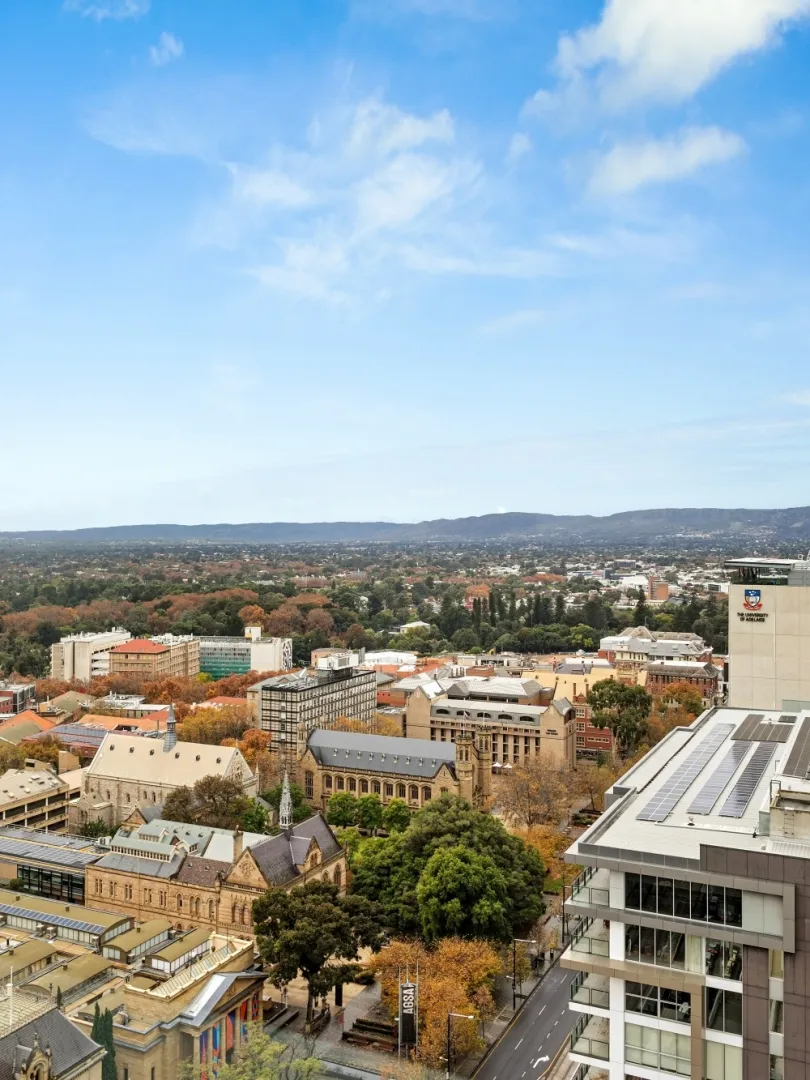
x=666, y=50
x=799, y=397
x=267, y=187
x=385, y=129
x=519, y=145
x=515, y=320
x=167, y=49
x=629, y=166
x=407, y=186
x=108, y=9
x=308, y=270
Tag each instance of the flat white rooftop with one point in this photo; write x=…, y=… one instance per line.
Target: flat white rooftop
x=710, y=783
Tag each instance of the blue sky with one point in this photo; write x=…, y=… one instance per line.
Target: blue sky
x=402, y=259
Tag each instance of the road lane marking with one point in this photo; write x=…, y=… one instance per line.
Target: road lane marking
x=542, y=1011
x=555, y=1024
x=517, y=1044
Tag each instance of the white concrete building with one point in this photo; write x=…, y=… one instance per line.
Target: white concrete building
x=85, y=656
x=769, y=633
x=692, y=952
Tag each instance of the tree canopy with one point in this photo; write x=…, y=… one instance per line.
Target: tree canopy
x=390, y=869
x=310, y=930
x=623, y=709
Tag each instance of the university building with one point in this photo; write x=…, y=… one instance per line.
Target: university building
x=694, y=950
x=162, y=657
x=221, y=656
x=85, y=656
x=769, y=633
x=287, y=704
x=415, y=770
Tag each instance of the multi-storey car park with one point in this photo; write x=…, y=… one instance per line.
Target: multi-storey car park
x=693, y=951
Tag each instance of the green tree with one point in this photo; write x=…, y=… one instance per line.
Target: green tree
x=92, y=829
x=255, y=818
x=559, y=608
x=396, y=816
x=465, y=640
x=301, y=809
x=369, y=813
x=388, y=869
x=180, y=805
x=101, y=1033
x=342, y=809
x=623, y=709
x=641, y=614
x=462, y=893
x=304, y=932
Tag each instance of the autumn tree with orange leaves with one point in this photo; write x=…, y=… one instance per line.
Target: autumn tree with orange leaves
x=455, y=976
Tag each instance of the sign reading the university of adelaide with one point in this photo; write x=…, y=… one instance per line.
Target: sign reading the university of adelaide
x=752, y=603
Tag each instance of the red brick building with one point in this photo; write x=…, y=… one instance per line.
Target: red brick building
x=704, y=677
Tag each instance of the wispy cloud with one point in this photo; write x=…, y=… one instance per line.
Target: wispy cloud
x=108, y=9
x=515, y=320
x=660, y=50
x=168, y=48
x=799, y=397
x=630, y=166
x=519, y=144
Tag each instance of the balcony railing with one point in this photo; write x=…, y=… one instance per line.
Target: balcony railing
x=591, y=887
x=592, y=938
x=591, y=990
x=591, y=1038
x=589, y=1072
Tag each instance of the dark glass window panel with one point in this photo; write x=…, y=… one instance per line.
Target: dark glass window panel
x=632, y=1003
x=699, y=898
x=682, y=899
x=733, y=907
x=649, y=1000
x=647, y=945
x=632, y=891
x=633, y=988
x=733, y=962
x=714, y=957
x=717, y=904
x=649, y=899
x=714, y=1008
x=733, y=1012
x=678, y=950
x=665, y=896
x=662, y=948
x=631, y=943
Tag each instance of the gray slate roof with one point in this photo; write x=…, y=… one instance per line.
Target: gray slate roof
x=68, y=1044
x=380, y=753
x=132, y=864
x=279, y=856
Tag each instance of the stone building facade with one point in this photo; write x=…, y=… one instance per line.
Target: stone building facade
x=415, y=770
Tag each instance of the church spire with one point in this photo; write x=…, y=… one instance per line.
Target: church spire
x=285, y=810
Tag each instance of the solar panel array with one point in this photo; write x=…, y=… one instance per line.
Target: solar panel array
x=666, y=798
x=755, y=728
x=23, y=849
x=51, y=920
x=798, y=760
x=704, y=801
x=741, y=794
x=787, y=719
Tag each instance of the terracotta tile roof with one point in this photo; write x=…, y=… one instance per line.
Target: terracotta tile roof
x=140, y=645
x=28, y=716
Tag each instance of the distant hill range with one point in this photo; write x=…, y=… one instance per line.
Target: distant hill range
x=705, y=527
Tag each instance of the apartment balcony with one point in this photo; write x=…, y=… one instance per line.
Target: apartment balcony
x=591, y=938
x=592, y=991
x=591, y=888
x=590, y=1072
x=591, y=1038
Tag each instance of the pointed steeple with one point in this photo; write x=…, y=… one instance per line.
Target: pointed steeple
x=285, y=810
x=170, y=741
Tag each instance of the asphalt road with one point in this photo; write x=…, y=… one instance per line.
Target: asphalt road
x=543, y=1024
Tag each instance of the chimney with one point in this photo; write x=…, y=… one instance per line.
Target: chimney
x=170, y=741
x=238, y=844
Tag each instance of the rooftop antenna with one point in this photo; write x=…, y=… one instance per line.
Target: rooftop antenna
x=285, y=810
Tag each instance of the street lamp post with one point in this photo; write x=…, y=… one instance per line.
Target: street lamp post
x=450, y=1016
x=523, y=941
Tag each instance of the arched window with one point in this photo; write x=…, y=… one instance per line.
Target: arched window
x=108, y=794
x=154, y=797
x=375, y=787
x=325, y=876
x=245, y=915
x=426, y=794
x=389, y=790
x=179, y=902
x=414, y=793
x=210, y=910
x=352, y=784
x=340, y=783
x=337, y=877
x=129, y=800
x=233, y=912
x=327, y=782
x=364, y=787
x=400, y=791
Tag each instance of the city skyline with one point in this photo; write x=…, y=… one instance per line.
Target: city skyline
x=428, y=247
